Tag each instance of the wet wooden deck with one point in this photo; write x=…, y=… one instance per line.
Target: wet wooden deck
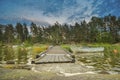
x=55, y=55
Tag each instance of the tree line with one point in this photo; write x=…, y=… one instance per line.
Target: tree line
x=99, y=29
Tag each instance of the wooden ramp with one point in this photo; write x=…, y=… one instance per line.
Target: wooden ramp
x=55, y=55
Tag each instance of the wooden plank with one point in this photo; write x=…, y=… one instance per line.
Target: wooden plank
x=56, y=54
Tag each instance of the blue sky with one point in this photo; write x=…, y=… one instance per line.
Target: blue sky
x=50, y=11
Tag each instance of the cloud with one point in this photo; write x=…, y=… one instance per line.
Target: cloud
x=82, y=9
x=50, y=11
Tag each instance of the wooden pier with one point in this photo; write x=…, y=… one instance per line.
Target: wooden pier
x=55, y=55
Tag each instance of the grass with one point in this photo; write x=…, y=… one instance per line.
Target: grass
x=110, y=59
x=38, y=49
x=20, y=53
x=112, y=54
x=67, y=47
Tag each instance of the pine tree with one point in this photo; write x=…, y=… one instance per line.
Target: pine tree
x=9, y=33
x=20, y=32
x=25, y=32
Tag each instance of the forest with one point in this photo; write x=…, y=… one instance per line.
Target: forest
x=98, y=30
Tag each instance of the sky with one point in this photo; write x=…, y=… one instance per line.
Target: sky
x=46, y=12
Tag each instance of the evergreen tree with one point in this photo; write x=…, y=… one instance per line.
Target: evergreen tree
x=20, y=32
x=25, y=32
x=9, y=33
x=97, y=30
x=34, y=32
x=1, y=34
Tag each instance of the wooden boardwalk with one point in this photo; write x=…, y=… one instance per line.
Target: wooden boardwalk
x=55, y=55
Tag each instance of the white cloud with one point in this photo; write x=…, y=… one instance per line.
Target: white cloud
x=83, y=9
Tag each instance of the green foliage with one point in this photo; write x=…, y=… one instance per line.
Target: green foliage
x=112, y=54
x=110, y=59
x=22, y=54
x=8, y=53
x=27, y=44
x=9, y=33
x=104, y=37
x=67, y=47
x=20, y=32
x=25, y=32
x=1, y=34
x=1, y=54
